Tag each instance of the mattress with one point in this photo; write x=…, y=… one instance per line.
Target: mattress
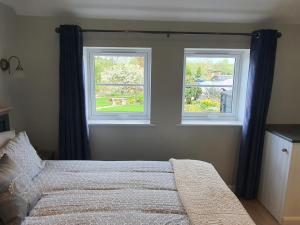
x=181, y=192
x=97, y=192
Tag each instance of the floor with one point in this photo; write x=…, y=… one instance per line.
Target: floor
x=259, y=213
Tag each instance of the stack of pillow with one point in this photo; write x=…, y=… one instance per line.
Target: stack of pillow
x=19, y=165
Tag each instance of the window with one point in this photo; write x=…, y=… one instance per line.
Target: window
x=118, y=82
x=212, y=84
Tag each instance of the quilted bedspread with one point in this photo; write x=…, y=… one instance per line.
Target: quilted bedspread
x=129, y=193
x=205, y=196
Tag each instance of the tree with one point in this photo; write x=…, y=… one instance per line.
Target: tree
x=225, y=67
x=199, y=72
x=192, y=93
x=101, y=64
x=205, y=69
x=188, y=74
x=124, y=74
x=137, y=61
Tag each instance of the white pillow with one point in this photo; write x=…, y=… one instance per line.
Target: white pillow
x=6, y=136
x=23, y=154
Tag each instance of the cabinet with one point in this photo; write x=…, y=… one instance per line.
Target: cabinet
x=279, y=189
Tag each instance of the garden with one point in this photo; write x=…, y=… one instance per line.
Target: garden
x=119, y=83
x=204, y=78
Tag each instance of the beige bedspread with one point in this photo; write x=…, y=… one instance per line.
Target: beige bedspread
x=205, y=196
x=134, y=193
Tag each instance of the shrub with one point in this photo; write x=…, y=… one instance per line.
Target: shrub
x=192, y=93
x=210, y=103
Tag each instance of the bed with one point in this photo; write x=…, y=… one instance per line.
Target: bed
x=176, y=192
x=136, y=193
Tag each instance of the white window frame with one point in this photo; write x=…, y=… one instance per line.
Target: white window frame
x=238, y=54
x=97, y=117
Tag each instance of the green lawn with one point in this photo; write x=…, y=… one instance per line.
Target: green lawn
x=104, y=104
x=100, y=102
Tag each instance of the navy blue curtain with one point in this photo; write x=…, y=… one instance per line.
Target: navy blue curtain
x=261, y=72
x=73, y=131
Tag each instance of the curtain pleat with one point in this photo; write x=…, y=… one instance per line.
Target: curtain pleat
x=73, y=130
x=261, y=72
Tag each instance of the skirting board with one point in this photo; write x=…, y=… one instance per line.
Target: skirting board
x=291, y=221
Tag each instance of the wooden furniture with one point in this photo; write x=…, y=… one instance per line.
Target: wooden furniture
x=4, y=119
x=119, y=101
x=279, y=189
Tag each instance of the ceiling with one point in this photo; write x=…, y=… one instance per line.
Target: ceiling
x=237, y=11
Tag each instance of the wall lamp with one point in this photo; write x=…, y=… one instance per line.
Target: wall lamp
x=5, y=64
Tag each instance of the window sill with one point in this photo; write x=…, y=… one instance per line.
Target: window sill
x=210, y=123
x=120, y=122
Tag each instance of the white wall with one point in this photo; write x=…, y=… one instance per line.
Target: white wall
x=7, y=39
x=38, y=47
x=9, y=88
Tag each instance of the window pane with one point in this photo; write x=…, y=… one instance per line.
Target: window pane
x=208, y=99
x=119, y=69
x=119, y=98
x=209, y=71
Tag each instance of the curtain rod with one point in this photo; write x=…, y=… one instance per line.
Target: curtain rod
x=168, y=33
